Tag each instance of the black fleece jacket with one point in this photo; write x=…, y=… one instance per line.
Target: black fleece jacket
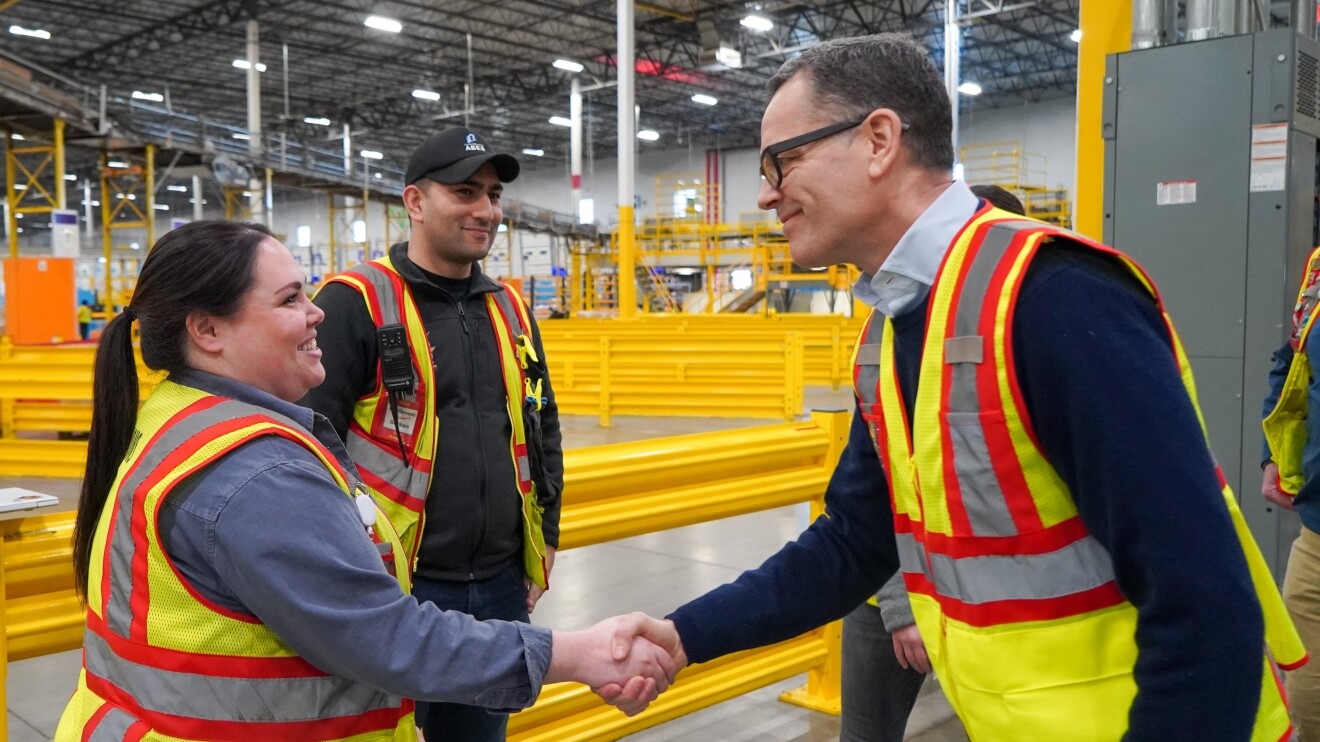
x=473, y=517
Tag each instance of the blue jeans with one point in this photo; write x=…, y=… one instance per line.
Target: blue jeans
x=503, y=597
x=878, y=693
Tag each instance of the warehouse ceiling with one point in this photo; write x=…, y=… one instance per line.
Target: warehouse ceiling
x=341, y=70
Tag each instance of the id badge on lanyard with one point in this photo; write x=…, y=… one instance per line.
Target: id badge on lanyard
x=408, y=412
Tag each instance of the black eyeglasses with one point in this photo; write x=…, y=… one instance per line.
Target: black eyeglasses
x=773, y=171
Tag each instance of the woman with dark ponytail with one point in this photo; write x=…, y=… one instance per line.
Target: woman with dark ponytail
x=237, y=581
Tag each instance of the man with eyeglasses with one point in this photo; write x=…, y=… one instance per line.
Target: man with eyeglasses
x=1027, y=449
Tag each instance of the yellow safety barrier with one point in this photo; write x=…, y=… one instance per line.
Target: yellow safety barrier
x=612, y=491
x=49, y=389
x=671, y=375
x=827, y=339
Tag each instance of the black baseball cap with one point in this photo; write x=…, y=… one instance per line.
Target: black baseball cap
x=453, y=155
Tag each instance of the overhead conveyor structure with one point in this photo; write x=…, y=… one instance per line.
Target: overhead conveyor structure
x=126, y=138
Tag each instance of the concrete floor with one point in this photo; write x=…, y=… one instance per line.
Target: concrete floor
x=652, y=573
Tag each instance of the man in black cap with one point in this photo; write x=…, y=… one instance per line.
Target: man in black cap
x=435, y=379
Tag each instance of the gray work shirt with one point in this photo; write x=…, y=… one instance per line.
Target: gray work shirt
x=266, y=532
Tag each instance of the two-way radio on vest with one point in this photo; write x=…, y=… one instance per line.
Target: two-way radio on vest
x=396, y=373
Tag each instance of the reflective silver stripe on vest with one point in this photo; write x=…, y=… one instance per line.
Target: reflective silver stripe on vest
x=379, y=278
x=118, y=615
x=1077, y=567
x=987, y=508
x=911, y=554
x=113, y=727
x=217, y=698
x=868, y=360
x=371, y=458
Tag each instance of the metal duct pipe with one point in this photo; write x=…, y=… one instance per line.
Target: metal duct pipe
x=1147, y=23
x=1303, y=17
x=1229, y=16
x=1201, y=20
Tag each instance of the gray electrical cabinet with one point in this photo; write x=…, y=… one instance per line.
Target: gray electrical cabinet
x=1210, y=183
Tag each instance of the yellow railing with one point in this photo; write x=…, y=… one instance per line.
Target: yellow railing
x=611, y=492
x=827, y=339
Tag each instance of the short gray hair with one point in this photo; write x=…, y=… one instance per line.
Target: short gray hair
x=855, y=76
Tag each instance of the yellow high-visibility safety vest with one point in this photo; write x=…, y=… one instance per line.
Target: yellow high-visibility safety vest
x=1285, y=426
x=162, y=663
x=1016, y=601
x=400, y=485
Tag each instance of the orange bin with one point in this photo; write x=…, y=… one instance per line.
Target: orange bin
x=40, y=305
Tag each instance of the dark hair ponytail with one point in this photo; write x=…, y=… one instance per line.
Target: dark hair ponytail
x=200, y=267
x=114, y=414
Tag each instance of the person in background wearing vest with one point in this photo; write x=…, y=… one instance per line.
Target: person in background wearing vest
x=435, y=379
x=1291, y=464
x=1076, y=565
x=84, y=321
x=237, y=579
x=884, y=658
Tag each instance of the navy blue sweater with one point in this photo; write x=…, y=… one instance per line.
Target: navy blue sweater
x=1102, y=388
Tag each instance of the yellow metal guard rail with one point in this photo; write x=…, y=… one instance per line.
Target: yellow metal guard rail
x=827, y=339
x=611, y=492
x=664, y=375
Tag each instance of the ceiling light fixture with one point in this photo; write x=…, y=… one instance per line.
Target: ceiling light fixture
x=35, y=33
x=244, y=137
x=371, y=154
x=561, y=121
x=153, y=97
x=316, y=120
x=568, y=65
x=649, y=135
x=757, y=23
x=243, y=64
x=116, y=163
x=969, y=88
x=177, y=188
x=704, y=99
x=424, y=94
x=70, y=176
x=381, y=23
x=1076, y=35
x=534, y=151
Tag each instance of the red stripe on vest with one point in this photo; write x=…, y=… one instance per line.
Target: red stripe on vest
x=1044, y=541
x=959, y=522
x=390, y=447
x=136, y=732
x=998, y=612
x=280, y=432
x=90, y=727
x=390, y=492
x=174, y=660
x=213, y=730
x=139, y=597
x=999, y=443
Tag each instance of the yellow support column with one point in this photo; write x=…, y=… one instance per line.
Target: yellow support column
x=1106, y=29
x=150, y=217
x=626, y=286
x=61, y=199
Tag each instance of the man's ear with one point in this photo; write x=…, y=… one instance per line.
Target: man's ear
x=412, y=201
x=202, y=332
x=883, y=130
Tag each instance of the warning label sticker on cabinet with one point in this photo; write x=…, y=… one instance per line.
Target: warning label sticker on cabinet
x=1173, y=192
x=1269, y=157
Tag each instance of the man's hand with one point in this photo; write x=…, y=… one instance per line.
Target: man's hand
x=910, y=650
x=1269, y=487
x=534, y=591
x=628, y=631
x=629, y=678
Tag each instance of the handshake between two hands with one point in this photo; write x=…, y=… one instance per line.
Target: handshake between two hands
x=627, y=660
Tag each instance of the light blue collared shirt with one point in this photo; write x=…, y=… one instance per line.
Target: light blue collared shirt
x=907, y=274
